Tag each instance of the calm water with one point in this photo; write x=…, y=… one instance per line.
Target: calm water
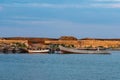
x=60, y=67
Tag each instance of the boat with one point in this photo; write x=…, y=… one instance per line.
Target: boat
x=66, y=50
x=39, y=51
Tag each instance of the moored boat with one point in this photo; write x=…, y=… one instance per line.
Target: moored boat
x=39, y=51
x=66, y=50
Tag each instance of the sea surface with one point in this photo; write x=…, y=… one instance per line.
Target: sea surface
x=60, y=66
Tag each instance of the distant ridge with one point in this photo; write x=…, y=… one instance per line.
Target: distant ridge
x=28, y=38
x=61, y=38
x=69, y=41
x=111, y=39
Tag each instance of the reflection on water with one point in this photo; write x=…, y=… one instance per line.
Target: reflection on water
x=59, y=67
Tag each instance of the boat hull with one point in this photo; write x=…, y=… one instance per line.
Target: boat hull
x=38, y=51
x=77, y=51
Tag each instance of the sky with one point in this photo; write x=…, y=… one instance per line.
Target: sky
x=55, y=18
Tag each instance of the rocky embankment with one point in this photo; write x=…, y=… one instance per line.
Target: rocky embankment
x=21, y=44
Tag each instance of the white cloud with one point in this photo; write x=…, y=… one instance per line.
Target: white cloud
x=40, y=23
x=34, y=22
x=1, y=8
x=24, y=17
x=61, y=6
x=115, y=5
x=108, y=0
x=43, y=5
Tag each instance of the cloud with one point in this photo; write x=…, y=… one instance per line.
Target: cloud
x=43, y=5
x=42, y=23
x=110, y=5
x=31, y=22
x=108, y=0
x=63, y=6
x=24, y=17
x=1, y=8
x=35, y=22
x=49, y=23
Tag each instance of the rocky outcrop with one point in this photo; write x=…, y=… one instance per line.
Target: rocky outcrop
x=67, y=38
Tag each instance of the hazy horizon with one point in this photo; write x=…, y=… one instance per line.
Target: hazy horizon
x=52, y=19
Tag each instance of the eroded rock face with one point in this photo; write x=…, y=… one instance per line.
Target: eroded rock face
x=67, y=38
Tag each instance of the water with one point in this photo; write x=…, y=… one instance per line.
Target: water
x=60, y=67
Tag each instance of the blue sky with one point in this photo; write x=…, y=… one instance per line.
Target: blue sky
x=55, y=18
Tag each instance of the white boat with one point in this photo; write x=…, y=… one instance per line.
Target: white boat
x=39, y=51
x=66, y=50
